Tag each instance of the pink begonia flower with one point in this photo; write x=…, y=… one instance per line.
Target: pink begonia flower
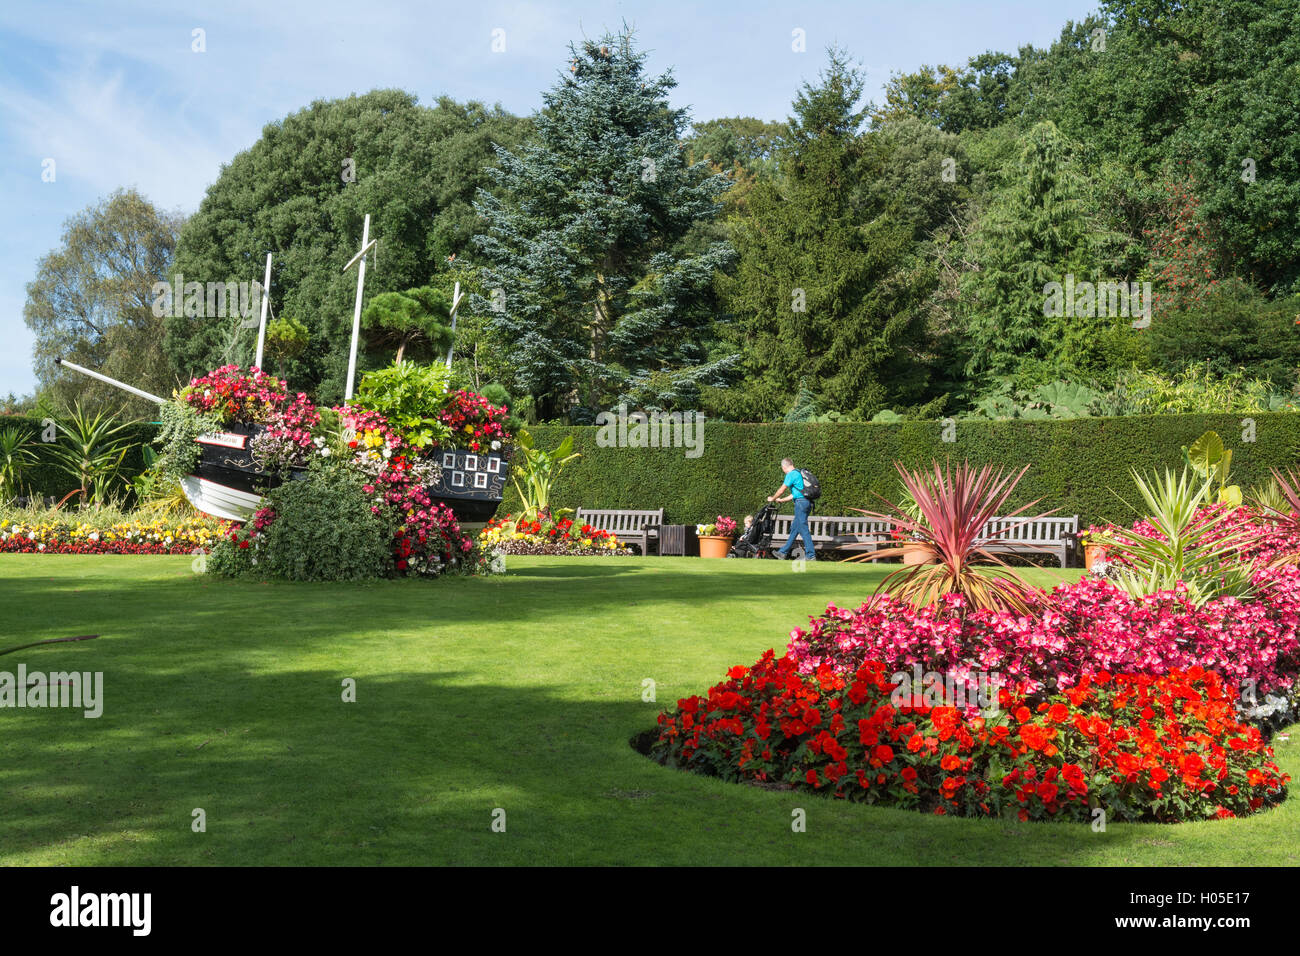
x=1077, y=629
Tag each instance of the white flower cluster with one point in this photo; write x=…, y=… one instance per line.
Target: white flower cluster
x=1270, y=705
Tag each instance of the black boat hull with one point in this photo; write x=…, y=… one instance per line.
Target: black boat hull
x=228, y=483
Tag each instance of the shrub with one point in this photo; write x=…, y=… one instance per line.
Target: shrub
x=1075, y=462
x=955, y=505
x=91, y=452
x=232, y=555
x=181, y=425
x=1191, y=545
x=17, y=456
x=324, y=530
x=412, y=397
x=1162, y=748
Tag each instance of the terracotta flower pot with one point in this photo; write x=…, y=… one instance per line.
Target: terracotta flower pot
x=1092, y=553
x=913, y=556
x=714, y=546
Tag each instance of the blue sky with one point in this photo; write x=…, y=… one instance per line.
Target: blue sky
x=112, y=91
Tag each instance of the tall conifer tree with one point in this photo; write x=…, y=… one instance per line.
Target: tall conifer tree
x=820, y=294
x=581, y=258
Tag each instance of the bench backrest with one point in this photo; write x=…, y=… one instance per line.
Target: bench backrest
x=836, y=526
x=619, y=520
x=1049, y=530
x=864, y=527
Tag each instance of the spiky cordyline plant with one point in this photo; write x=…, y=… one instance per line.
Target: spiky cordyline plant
x=1280, y=505
x=954, y=505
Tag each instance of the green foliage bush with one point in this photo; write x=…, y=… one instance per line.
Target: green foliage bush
x=324, y=530
x=228, y=559
x=1234, y=327
x=181, y=424
x=1074, y=463
x=410, y=396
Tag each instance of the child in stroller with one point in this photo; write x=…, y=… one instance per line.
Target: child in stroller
x=756, y=541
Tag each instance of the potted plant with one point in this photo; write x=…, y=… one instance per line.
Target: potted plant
x=1095, y=542
x=912, y=545
x=915, y=553
x=716, y=538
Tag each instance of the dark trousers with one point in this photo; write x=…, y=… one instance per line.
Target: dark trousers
x=799, y=530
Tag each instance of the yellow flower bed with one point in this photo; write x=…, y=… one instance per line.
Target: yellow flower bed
x=157, y=536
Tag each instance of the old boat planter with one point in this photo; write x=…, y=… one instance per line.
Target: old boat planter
x=228, y=483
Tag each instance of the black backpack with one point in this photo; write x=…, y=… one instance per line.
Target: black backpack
x=812, y=489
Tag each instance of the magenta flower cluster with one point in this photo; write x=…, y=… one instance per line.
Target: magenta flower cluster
x=235, y=396
x=1082, y=628
x=475, y=422
x=286, y=442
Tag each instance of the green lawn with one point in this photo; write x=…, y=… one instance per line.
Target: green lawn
x=519, y=691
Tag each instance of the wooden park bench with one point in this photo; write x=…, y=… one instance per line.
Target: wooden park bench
x=1050, y=535
x=628, y=525
x=836, y=532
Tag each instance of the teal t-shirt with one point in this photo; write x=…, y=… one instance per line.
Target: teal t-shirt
x=794, y=481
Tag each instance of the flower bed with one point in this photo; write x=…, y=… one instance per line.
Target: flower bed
x=390, y=460
x=508, y=536
x=1138, y=747
x=426, y=538
x=1075, y=630
x=128, y=537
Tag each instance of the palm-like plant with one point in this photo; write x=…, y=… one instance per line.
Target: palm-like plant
x=954, y=506
x=1269, y=499
x=92, y=451
x=156, y=491
x=540, y=470
x=16, y=456
x=1190, y=548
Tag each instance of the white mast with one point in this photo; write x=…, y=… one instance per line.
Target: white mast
x=456, y=296
x=366, y=243
x=266, y=301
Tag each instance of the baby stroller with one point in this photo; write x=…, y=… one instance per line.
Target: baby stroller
x=756, y=542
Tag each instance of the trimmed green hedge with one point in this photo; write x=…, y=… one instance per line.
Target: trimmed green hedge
x=45, y=478
x=1074, y=464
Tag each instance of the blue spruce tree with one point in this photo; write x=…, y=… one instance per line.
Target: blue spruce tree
x=584, y=258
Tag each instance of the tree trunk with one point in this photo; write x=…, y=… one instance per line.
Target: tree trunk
x=602, y=323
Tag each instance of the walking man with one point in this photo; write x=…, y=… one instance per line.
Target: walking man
x=802, y=508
